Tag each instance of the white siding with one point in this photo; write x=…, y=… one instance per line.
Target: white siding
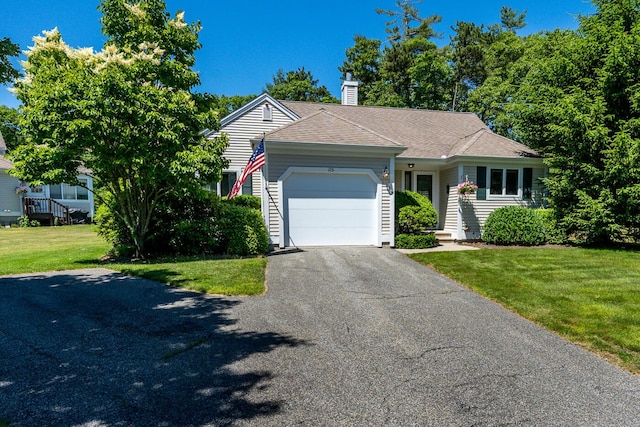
x=475, y=212
x=274, y=214
x=242, y=130
x=279, y=163
x=448, y=215
x=10, y=205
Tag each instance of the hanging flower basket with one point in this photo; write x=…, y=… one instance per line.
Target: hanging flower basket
x=467, y=187
x=21, y=189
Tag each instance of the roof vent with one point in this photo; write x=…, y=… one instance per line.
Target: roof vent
x=267, y=114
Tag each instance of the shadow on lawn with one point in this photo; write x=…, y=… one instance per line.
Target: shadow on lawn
x=109, y=349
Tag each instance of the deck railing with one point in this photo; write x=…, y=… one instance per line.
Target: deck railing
x=42, y=208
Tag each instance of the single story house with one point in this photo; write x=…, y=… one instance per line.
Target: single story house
x=39, y=198
x=332, y=170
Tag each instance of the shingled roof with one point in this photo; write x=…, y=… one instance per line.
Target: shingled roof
x=4, y=163
x=3, y=146
x=425, y=133
x=326, y=127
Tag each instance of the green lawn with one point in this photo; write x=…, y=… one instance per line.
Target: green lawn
x=31, y=250
x=589, y=296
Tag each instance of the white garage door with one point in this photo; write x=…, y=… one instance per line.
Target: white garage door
x=331, y=208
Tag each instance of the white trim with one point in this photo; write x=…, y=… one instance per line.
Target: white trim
x=505, y=196
x=265, y=97
x=392, y=204
x=460, y=232
x=284, y=238
x=339, y=149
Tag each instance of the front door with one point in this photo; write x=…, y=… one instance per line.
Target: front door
x=424, y=185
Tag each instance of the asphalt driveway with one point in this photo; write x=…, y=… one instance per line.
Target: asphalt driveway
x=344, y=336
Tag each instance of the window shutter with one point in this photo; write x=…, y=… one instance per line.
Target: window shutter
x=481, y=174
x=527, y=183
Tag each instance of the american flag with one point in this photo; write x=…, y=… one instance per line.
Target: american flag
x=255, y=162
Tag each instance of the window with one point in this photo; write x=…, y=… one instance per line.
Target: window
x=504, y=182
x=267, y=114
x=228, y=179
x=407, y=181
x=69, y=192
x=223, y=188
x=424, y=185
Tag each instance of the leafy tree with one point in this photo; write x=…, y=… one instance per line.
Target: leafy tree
x=481, y=57
x=400, y=28
x=578, y=102
x=511, y=20
x=226, y=105
x=126, y=113
x=409, y=42
x=468, y=56
x=364, y=60
x=9, y=119
x=7, y=50
x=298, y=85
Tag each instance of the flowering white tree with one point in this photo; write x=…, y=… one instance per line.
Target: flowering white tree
x=126, y=113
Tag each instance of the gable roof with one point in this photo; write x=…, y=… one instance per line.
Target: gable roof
x=3, y=146
x=425, y=133
x=265, y=97
x=326, y=127
x=5, y=164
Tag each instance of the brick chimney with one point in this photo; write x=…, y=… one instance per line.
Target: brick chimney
x=349, y=90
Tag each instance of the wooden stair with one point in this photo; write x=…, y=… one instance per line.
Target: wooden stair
x=45, y=210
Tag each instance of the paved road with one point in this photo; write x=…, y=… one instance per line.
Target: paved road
x=344, y=336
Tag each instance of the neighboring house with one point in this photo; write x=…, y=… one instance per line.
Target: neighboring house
x=39, y=197
x=10, y=204
x=332, y=170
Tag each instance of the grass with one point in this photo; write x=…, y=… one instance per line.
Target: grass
x=589, y=296
x=32, y=250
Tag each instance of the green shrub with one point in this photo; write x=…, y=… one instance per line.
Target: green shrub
x=242, y=231
x=554, y=232
x=111, y=228
x=24, y=222
x=194, y=222
x=514, y=225
x=416, y=219
x=186, y=224
x=415, y=241
x=246, y=200
x=411, y=198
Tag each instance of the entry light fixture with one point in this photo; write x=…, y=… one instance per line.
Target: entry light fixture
x=385, y=172
x=411, y=165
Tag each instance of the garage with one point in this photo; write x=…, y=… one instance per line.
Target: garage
x=331, y=208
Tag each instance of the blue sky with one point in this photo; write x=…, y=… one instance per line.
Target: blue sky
x=245, y=42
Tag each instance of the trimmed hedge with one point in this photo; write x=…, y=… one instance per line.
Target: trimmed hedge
x=415, y=214
x=246, y=200
x=514, y=225
x=241, y=231
x=193, y=223
x=555, y=234
x=415, y=241
x=411, y=198
x=416, y=219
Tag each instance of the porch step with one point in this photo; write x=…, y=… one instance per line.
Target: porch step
x=444, y=236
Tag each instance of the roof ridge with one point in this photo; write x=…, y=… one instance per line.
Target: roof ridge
x=475, y=136
x=381, y=107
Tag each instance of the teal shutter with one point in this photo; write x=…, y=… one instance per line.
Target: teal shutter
x=527, y=183
x=481, y=174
